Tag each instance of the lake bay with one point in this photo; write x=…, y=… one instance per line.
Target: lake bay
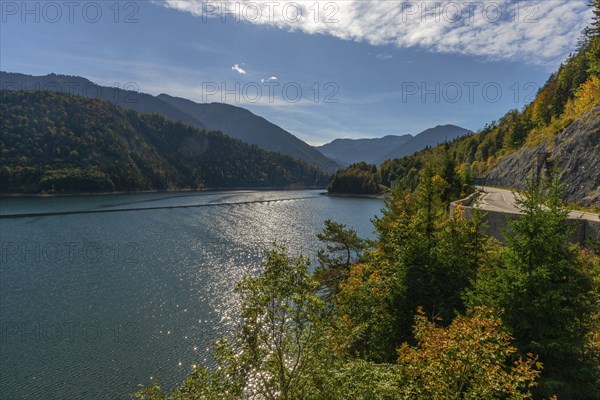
x=106, y=292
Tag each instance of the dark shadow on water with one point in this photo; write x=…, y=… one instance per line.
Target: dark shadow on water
x=114, y=210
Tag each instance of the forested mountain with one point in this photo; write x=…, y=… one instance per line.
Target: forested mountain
x=377, y=150
x=349, y=151
x=566, y=98
x=123, y=96
x=56, y=142
x=233, y=121
x=242, y=124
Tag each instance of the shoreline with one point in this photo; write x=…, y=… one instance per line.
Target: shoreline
x=205, y=190
x=381, y=196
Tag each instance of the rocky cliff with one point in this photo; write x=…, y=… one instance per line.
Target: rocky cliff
x=576, y=152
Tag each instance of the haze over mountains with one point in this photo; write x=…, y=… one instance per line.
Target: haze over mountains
x=231, y=120
x=349, y=151
x=376, y=151
x=59, y=143
x=77, y=85
x=238, y=122
x=243, y=124
x=429, y=137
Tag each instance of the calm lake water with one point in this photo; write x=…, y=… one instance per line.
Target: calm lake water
x=94, y=303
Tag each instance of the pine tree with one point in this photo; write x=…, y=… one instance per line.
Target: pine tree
x=547, y=296
x=594, y=29
x=343, y=248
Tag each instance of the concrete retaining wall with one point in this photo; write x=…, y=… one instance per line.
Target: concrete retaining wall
x=497, y=222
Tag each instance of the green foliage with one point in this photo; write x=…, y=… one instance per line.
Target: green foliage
x=283, y=334
x=279, y=352
x=301, y=339
x=594, y=29
x=568, y=94
x=594, y=56
x=468, y=296
x=422, y=259
x=470, y=359
x=518, y=127
x=63, y=143
x=65, y=179
x=405, y=174
x=343, y=247
x=153, y=392
x=359, y=178
x=283, y=350
x=547, y=294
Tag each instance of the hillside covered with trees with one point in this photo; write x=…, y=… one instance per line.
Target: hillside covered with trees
x=432, y=309
x=60, y=143
x=568, y=94
x=233, y=121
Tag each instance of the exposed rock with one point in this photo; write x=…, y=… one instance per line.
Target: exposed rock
x=576, y=152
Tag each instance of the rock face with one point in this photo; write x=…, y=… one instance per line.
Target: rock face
x=576, y=152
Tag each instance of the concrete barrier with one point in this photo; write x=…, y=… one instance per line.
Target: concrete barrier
x=466, y=202
x=497, y=222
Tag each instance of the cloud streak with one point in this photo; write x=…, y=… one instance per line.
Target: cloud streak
x=383, y=56
x=272, y=78
x=238, y=69
x=536, y=32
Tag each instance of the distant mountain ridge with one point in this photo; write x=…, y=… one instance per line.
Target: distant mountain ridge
x=559, y=128
x=378, y=150
x=243, y=124
x=428, y=138
x=77, y=85
x=350, y=151
x=59, y=143
x=231, y=120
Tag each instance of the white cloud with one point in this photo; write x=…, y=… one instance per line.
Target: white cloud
x=273, y=78
x=383, y=56
x=238, y=69
x=538, y=32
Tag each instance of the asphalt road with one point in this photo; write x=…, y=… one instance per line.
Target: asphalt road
x=503, y=200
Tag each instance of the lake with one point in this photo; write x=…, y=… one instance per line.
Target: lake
x=101, y=293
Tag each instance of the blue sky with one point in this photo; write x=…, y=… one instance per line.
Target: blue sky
x=324, y=69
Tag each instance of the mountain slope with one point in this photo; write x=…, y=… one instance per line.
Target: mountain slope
x=76, y=85
x=562, y=120
x=57, y=142
x=576, y=153
x=234, y=121
x=243, y=124
x=427, y=138
x=350, y=151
